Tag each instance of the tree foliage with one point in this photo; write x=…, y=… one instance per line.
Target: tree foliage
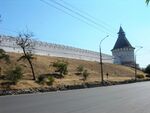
x=147, y=69
x=147, y=1
x=24, y=40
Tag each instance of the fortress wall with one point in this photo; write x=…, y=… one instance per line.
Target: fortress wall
x=48, y=49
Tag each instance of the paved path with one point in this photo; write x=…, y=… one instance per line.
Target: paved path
x=131, y=98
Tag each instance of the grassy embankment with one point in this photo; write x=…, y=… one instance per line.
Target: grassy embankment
x=42, y=65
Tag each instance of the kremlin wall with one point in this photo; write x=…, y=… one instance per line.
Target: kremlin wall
x=8, y=43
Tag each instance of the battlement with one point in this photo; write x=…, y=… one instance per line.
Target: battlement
x=8, y=43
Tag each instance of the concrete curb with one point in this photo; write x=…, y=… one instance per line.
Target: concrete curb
x=65, y=87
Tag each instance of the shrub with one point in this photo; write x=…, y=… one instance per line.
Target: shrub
x=50, y=80
x=139, y=76
x=85, y=74
x=4, y=56
x=14, y=74
x=40, y=79
x=61, y=67
x=80, y=69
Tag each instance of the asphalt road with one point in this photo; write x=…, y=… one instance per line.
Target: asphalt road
x=131, y=98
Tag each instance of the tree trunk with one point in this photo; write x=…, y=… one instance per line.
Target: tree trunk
x=33, y=74
x=31, y=66
x=0, y=71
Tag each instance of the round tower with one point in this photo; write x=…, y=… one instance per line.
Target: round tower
x=123, y=52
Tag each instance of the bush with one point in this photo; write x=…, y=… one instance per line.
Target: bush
x=139, y=76
x=50, y=80
x=14, y=74
x=85, y=74
x=4, y=56
x=61, y=67
x=80, y=69
x=40, y=79
x=44, y=79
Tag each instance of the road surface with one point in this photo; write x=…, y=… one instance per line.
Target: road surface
x=130, y=98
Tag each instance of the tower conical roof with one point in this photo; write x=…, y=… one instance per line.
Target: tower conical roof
x=120, y=30
x=122, y=41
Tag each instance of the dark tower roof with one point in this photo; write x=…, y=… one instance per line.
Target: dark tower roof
x=122, y=41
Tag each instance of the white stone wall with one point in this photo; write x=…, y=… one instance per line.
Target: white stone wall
x=48, y=49
x=123, y=55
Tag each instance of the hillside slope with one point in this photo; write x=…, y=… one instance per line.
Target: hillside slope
x=42, y=65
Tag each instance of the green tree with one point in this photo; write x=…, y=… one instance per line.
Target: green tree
x=147, y=69
x=62, y=67
x=26, y=43
x=147, y=1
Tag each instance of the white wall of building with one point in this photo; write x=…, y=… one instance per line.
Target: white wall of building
x=123, y=55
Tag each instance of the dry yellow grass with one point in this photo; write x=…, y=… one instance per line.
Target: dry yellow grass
x=42, y=65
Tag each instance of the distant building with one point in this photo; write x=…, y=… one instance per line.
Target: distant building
x=123, y=52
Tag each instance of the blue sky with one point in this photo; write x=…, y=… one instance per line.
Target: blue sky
x=51, y=25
